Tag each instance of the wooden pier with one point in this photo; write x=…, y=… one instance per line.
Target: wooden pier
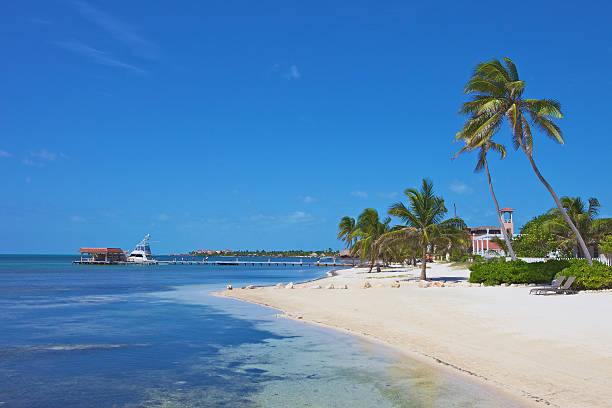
x=218, y=263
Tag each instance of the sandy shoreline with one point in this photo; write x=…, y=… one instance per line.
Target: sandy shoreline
x=546, y=351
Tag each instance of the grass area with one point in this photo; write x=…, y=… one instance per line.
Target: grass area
x=386, y=277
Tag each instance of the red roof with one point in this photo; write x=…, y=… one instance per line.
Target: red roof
x=507, y=209
x=101, y=250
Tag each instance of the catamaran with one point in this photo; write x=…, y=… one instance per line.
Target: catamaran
x=142, y=253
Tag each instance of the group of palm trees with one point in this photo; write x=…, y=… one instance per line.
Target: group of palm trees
x=424, y=230
x=496, y=97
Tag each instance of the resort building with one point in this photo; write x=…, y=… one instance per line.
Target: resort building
x=482, y=236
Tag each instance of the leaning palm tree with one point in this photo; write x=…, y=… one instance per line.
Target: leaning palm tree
x=484, y=164
x=345, y=231
x=497, y=95
x=591, y=228
x=424, y=224
x=366, y=233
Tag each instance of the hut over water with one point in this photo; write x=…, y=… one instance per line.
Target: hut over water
x=102, y=255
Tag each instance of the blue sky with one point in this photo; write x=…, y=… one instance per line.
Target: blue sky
x=241, y=124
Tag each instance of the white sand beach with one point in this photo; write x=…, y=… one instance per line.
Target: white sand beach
x=545, y=350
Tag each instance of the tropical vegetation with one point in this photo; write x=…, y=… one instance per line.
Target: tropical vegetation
x=424, y=230
x=368, y=229
x=588, y=277
x=516, y=272
x=497, y=96
x=584, y=217
x=424, y=227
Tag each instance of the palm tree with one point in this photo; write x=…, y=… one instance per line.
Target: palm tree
x=345, y=231
x=591, y=229
x=483, y=164
x=497, y=95
x=424, y=224
x=366, y=233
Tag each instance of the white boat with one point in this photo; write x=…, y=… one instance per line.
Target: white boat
x=142, y=253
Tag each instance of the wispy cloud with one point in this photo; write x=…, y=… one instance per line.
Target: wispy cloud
x=293, y=73
x=77, y=218
x=5, y=154
x=41, y=157
x=96, y=55
x=392, y=194
x=460, y=188
x=39, y=21
x=295, y=217
x=307, y=199
x=360, y=194
x=162, y=217
x=118, y=29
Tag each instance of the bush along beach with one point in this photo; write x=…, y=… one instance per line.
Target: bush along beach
x=516, y=272
x=588, y=277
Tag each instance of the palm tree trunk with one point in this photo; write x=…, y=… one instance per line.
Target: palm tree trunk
x=581, y=243
x=424, y=264
x=499, y=219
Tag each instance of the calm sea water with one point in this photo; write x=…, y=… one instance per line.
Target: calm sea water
x=129, y=336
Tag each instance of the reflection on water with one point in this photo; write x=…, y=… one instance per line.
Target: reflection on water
x=73, y=336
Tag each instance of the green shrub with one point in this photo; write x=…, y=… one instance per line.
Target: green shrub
x=597, y=276
x=498, y=272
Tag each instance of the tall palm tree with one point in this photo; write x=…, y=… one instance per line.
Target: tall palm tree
x=484, y=164
x=345, y=231
x=424, y=224
x=367, y=231
x=585, y=219
x=497, y=94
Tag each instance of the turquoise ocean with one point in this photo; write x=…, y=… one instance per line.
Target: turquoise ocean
x=154, y=336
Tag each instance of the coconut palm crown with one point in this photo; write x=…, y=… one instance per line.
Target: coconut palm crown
x=584, y=216
x=345, y=231
x=497, y=96
x=368, y=230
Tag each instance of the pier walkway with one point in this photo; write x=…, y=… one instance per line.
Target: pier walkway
x=219, y=263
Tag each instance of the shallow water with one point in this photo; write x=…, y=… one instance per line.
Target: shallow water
x=125, y=336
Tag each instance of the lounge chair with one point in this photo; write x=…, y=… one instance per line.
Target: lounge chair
x=553, y=285
x=565, y=289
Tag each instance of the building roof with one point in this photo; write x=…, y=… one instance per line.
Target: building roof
x=484, y=227
x=507, y=209
x=101, y=250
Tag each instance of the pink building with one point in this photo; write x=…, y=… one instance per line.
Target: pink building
x=481, y=236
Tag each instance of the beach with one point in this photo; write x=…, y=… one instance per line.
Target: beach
x=542, y=350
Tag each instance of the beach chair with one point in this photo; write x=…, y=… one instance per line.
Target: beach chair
x=553, y=285
x=565, y=289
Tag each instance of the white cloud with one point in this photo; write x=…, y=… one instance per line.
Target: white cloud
x=97, y=56
x=298, y=216
x=118, y=29
x=392, y=194
x=308, y=199
x=295, y=217
x=460, y=188
x=28, y=180
x=293, y=73
x=42, y=157
x=162, y=217
x=4, y=153
x=360, y=194
x=77, y=218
